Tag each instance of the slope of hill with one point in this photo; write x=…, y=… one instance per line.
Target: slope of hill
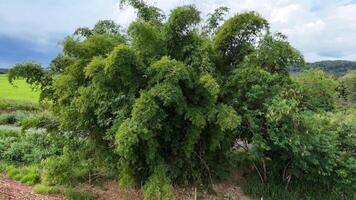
x=335, y=67
x=3, y=70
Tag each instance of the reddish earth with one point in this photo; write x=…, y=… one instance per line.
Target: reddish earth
x=13, y=190
x=111, y=191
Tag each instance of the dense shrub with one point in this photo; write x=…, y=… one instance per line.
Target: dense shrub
x=319, y=90
x=80, y=162
x=28, y=147
x=348, y=87
x=306, y=148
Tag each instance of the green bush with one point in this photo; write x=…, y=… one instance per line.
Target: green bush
x=43, y=120
x=44, y=189
x=348, y=87
x=158, y=186
x=86, y=162
x=318, y=89
x=29, y=147
x=307, y=148
x=72, y=194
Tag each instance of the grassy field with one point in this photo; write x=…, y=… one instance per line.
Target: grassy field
x=21, y=90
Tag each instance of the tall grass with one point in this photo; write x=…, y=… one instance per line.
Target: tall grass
x=16, y=117
x=16, y=104
x=273, y=191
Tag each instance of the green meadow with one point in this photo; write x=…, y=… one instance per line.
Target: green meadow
x=19, y=91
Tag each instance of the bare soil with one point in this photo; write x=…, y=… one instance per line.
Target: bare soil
x=13, y=190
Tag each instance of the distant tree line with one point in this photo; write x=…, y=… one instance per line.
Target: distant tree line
x=336, y=67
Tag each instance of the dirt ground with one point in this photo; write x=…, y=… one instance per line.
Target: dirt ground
x=13, y=190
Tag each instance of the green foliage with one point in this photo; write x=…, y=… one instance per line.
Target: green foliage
x=145, y=12
x=13, y=117
x=214, y=19
x=236, y=38
x=171, y=87
x=28, y=175
x=348, y=87
x=319, y=90
x=102, y=27
x=44, y=189
x=180, y=32
x=27, y=148
x=11, y=104
x=72, y=194
x=306, y=148
x=81, y=161
x=147, y=40
x=34, y=75
x=43, y=120
x=158, y=186
x=252, y=186
x=274, y=53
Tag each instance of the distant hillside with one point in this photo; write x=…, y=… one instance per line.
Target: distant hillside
x=336, y=67
x=3, y=71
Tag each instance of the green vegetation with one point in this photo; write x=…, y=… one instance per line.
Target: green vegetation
x=170, y=103
x=75, y=195
x=348, y=87
x=44, y=189
x=28, y=175
x=13, y=104
x=29, y=147
x=13, y=117
x=337, y=67
x=19, y=91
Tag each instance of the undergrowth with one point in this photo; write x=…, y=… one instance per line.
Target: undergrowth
x=12, y=104
x=28, y=175
x=8, y=118
x=253, y=187
x=44, y=189
x=72, y=194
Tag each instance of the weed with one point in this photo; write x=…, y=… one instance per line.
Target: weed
x=71, y=194
x=44, y=189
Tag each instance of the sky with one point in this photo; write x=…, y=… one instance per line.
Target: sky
x=34, y=30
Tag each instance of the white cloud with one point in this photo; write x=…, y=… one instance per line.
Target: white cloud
x=320, y=29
